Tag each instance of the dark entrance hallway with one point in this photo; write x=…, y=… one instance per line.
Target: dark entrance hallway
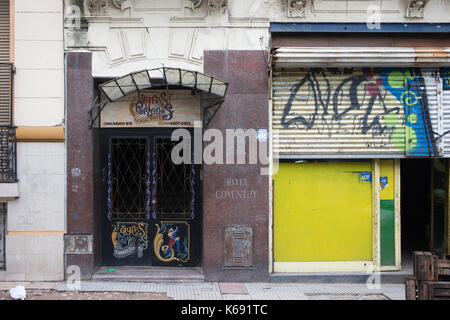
x=423, y=207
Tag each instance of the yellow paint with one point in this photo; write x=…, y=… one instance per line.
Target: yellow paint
x=329, y=266
x=387, y=170
x=322, y=212
x=40, y=134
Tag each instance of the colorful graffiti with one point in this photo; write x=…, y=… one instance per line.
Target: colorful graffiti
x=129, y=238
x=171, y=241
x=389, y=104
x=446, y=78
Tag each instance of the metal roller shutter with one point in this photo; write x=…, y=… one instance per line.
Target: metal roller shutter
x=356, y=112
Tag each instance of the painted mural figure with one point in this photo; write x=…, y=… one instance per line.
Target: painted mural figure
x=173, y=237
x=171, y=241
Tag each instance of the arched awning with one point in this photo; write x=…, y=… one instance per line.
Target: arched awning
x=164, y=78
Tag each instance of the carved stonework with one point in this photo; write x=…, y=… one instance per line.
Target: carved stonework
x=123, y=4
x=97, y=7
x=296, y=8
x=415, y=8
x=217, y=7
x=196, y=3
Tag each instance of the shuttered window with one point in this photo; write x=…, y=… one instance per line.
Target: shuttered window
x=5, y=65
x=5, y=31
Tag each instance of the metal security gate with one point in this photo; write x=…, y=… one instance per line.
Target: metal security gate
x=2, y=235
x=366, y=112
x=151, y=207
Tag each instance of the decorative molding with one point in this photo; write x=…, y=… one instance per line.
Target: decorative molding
x=123, y=4
x=97, y=7
x=297, y=8
x=416, y=8
x=217, y=7
x=195, y=3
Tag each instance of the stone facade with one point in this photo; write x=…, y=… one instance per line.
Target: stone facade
x=53, y=222
x=36, y=220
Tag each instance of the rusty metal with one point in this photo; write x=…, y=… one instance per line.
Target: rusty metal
x=319, y=57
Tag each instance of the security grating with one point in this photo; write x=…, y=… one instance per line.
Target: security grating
x=8, y=156
x=2, y=235
x=173, y=183
x=128, y=179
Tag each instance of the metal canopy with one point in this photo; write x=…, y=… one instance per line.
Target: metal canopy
x=167, y=78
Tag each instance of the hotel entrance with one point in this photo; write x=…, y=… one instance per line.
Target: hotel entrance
x=151, y=207
x=147, y=193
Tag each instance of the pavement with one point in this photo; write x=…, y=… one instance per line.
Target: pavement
x=111, y=290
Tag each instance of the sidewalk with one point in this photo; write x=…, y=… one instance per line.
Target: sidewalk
x=214, y=290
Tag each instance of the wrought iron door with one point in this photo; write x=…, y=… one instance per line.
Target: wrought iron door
x=151, y=207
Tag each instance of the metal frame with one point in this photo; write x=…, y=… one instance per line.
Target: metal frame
x=3, y=211
x=162, y=82
x=8, y=155
x=360, y=27
x=111, y=186
x=10, y=67
x=187, y=212
x=8, y=144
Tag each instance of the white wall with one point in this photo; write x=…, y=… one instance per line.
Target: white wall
x=39, y=61
x=36, y=220
x=149, y=33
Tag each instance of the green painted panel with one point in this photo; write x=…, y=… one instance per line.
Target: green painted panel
x=387, y=233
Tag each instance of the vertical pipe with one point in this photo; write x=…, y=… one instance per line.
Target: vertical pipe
x=270, y=177
x=376, y=257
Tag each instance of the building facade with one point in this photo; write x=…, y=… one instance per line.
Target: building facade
x=34, y=193
x=346, y=103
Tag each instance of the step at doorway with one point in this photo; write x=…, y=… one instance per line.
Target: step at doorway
x=149, y=274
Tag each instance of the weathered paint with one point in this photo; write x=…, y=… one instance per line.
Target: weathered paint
x=360, y=27
x=369, y=111
x=320, y=57
x=323, y=212
x=387, y=214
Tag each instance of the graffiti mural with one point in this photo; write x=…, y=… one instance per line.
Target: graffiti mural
x=446, y=78
x=386, y=109
x=129, y=238
x=171, y=241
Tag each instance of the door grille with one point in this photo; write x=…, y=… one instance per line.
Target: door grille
x=174, y=183
x=2, y=235
x=128, y=179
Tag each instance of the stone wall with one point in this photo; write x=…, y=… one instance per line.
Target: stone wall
x=36, y=220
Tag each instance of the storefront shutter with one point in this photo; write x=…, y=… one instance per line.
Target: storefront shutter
x=359, y=112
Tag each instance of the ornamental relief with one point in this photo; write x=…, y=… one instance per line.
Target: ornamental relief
x=123, y=4
x=217, y=7
x=296, y=8
x=416, y=9
x=97, y=7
